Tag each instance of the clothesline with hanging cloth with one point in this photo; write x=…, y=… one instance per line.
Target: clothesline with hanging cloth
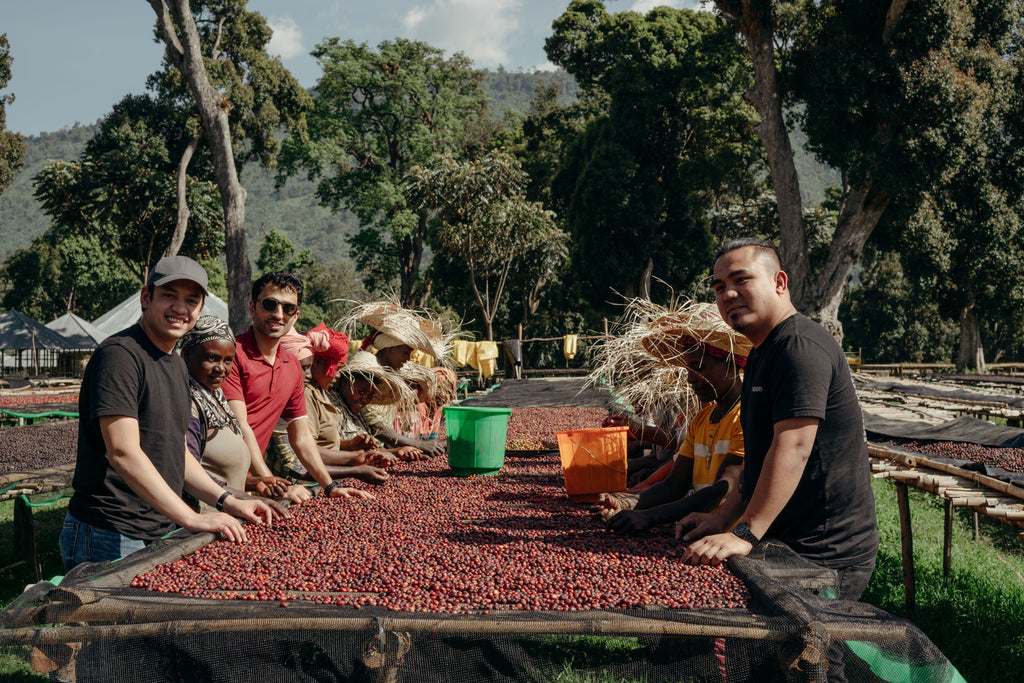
x=482, y=356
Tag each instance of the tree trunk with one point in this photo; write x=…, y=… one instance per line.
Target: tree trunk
x=816, y=295
x=754, y=21
x=186, y=53
x=972, y=354
x=858, y=217
x=645, y=279
x=181, y=188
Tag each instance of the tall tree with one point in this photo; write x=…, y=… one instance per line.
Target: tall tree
x=484, y=221
x=75, y=274
x=12, y=145
x=865, y=81
x=123, y=192
x=636, y=185
x=379, y=112
x=217, y=49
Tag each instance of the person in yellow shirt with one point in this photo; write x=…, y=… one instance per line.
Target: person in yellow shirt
x=710, y=459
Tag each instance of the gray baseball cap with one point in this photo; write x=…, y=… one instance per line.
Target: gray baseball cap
x=171, y=268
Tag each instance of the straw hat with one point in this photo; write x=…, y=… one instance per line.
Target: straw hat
x=691, y=326
x=389, y=388
x=395, y=325
x=414, y=373
x=640, y=379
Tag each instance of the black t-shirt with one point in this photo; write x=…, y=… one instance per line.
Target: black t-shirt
x=800, y=371
x=128, y=375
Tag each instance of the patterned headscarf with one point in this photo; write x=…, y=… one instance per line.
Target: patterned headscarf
x=208, y=328
x=715, y=352
x=330, y=345
x=212, y=404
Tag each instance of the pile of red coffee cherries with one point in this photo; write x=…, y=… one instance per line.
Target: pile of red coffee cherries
x=533, y=429
x=434, y=542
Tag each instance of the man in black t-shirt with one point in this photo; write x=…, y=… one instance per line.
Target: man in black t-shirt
x=134, y=405
x=806, y=479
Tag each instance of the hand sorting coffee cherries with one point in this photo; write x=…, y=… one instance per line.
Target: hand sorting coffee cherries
x=431, y=542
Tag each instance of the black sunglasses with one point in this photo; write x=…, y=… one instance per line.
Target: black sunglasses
x=270, y=305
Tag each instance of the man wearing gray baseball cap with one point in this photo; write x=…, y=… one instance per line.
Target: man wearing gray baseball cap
x=134, y=405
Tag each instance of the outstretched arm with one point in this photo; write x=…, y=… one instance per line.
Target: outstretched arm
x=783, y=467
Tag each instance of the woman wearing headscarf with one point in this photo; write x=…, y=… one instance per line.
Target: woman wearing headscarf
x=356, y=457
x=214, y=435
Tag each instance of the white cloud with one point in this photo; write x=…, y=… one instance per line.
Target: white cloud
x=645, y=6
x=545, y=66
x=287, y=39
x=480, y=28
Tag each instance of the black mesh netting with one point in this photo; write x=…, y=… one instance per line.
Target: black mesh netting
x=94, y=626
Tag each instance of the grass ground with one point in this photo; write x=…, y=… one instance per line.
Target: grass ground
x=975, y=616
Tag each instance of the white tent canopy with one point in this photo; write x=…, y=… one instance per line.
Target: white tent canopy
x=82, y=333
x=129, y=311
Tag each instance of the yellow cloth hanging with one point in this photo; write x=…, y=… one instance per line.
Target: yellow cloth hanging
x=486, y=357
x=569, y=346
x=424, y=359
x=463, y=352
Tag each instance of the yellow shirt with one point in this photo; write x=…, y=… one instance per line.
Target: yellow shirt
x=708, y=443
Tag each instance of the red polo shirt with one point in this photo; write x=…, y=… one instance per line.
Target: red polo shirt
x=269, y=391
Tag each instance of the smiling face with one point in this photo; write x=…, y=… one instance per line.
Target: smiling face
x=751, y=291
x=275, y=323
x=210, y=362
x=357, y=392
x=170, y=311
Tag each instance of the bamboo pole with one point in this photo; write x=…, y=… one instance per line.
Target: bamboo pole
x=907, y=544
x=947, y=539
x=867, y=630
x=985, y=480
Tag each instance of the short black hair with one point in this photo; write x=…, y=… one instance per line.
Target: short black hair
x=279, y=279
x=761, y=245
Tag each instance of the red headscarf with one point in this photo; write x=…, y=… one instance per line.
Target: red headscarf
x=330, y=345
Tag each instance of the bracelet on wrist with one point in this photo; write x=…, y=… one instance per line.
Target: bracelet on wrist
x=220, y=501
x=330, y=487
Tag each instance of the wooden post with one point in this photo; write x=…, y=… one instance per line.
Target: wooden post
x=975, y=525
x=947, y=539
x=907, y=542
x=25, y=536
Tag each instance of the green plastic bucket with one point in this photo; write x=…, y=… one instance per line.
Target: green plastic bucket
x=476, y=439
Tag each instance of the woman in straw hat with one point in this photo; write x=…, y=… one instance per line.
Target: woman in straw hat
x=362, y=382
x=396, y=333
x=710, y=459
x=321, y=352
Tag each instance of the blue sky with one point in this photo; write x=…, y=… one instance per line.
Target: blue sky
x=73, y=59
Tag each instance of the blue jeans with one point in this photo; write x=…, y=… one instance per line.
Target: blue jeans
x=81, y=542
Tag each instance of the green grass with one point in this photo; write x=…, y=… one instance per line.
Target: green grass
x=976, y=616
x=16, y=575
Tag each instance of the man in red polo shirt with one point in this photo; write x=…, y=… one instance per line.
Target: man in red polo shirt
x=265, y=383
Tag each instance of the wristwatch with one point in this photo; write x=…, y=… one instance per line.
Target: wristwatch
x=330, y=487
x=742, y=530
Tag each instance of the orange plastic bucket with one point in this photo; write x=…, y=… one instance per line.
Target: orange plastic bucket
x=593, y=460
